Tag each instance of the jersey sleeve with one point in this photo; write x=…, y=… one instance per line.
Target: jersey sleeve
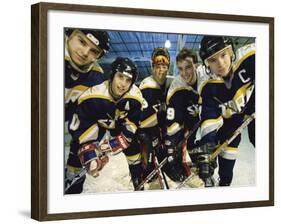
x=149, y=113
x=129, y=117
x=211, y=119
x=75, y=88
x=175, y=118
x=84, y=125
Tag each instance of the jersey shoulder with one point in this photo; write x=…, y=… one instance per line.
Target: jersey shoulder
x=244, y=54
x=177, y=85
x=100, y=91
x=202, y=76
x=149, y=83
x=135, y=94
x=209, y=85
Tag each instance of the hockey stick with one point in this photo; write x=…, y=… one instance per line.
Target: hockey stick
x=162, y=179
x=238, y=131
x=234, y=135
x=76, y=178
x=164, y=161
x=152, y=173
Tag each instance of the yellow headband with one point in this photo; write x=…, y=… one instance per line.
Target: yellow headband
x=161, y=59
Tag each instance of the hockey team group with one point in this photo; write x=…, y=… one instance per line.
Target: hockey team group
x=157, y=123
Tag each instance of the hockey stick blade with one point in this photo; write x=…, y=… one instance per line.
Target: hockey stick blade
x=153, y=172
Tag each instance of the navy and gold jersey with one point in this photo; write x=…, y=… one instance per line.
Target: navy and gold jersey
x=182, y=107
x=98, y=112
x=77, y=80
x=227, y=101
x=154, y=109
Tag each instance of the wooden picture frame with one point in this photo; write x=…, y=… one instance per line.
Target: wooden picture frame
x=40, y=101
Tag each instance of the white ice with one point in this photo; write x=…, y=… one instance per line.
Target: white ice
x=115, y=175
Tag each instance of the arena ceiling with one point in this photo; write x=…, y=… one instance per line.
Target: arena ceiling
x=138, y=46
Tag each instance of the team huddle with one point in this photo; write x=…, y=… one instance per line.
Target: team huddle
x=161, y=122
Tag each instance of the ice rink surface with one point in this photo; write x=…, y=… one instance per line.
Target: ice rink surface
x=115, y=175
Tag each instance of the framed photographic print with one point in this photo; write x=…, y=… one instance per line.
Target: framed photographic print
x=153, y=112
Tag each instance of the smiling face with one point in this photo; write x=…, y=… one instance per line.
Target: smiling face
x=187, y=70
x=81, y=50
x=220, y=62
x=160, y=72
x=121, y=84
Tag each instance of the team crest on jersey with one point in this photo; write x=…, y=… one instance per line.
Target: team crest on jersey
x=107, y=123
x=74, y=76
x=120, y=114
x=193, y=110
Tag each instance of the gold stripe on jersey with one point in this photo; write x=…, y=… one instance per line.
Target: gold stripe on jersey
x=210, y=125
x=139, y=99
x=130, y=126
x=134, y=159
x=149, y=122
x=242, y=90
x=149, y=83
x=174, y=91
x=73, y=169
x=209, y=81
x=173, y=129
x=94, y=96
x=76, y=91
x=149, y=87
x=238, y=63
x=90, y=134
x=231, y=148
x=229, y=153
x=200, y=100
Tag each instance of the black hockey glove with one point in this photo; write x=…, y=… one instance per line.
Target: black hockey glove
x=200, y=156
x=174, y=168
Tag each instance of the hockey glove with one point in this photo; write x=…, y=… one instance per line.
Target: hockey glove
x=114, y=145
x=200, y=157
x=91, y=158
x=174, y=168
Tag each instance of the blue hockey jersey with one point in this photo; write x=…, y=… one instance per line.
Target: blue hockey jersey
x=98, y=112
x=77, y=80
x=154, y=109
x=225, y=100
x=182, y=107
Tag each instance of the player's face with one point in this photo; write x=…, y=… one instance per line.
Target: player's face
x=160, y=72
x=187, y=70
x=82, y=51
x=120, y=84
x=220, y=63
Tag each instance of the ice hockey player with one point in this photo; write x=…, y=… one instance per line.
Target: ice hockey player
x=83, y=47
x=226, y=99
x=154, y=89
x=183, y=115
x=111, y=107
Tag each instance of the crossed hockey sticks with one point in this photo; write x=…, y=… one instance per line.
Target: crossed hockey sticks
x=164, y=161
x=238, y=131
x=83, y=171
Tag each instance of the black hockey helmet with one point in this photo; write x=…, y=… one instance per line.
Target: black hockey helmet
x=212, y=44
x=98, y=37
x=125, y=66
x=160, y=55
